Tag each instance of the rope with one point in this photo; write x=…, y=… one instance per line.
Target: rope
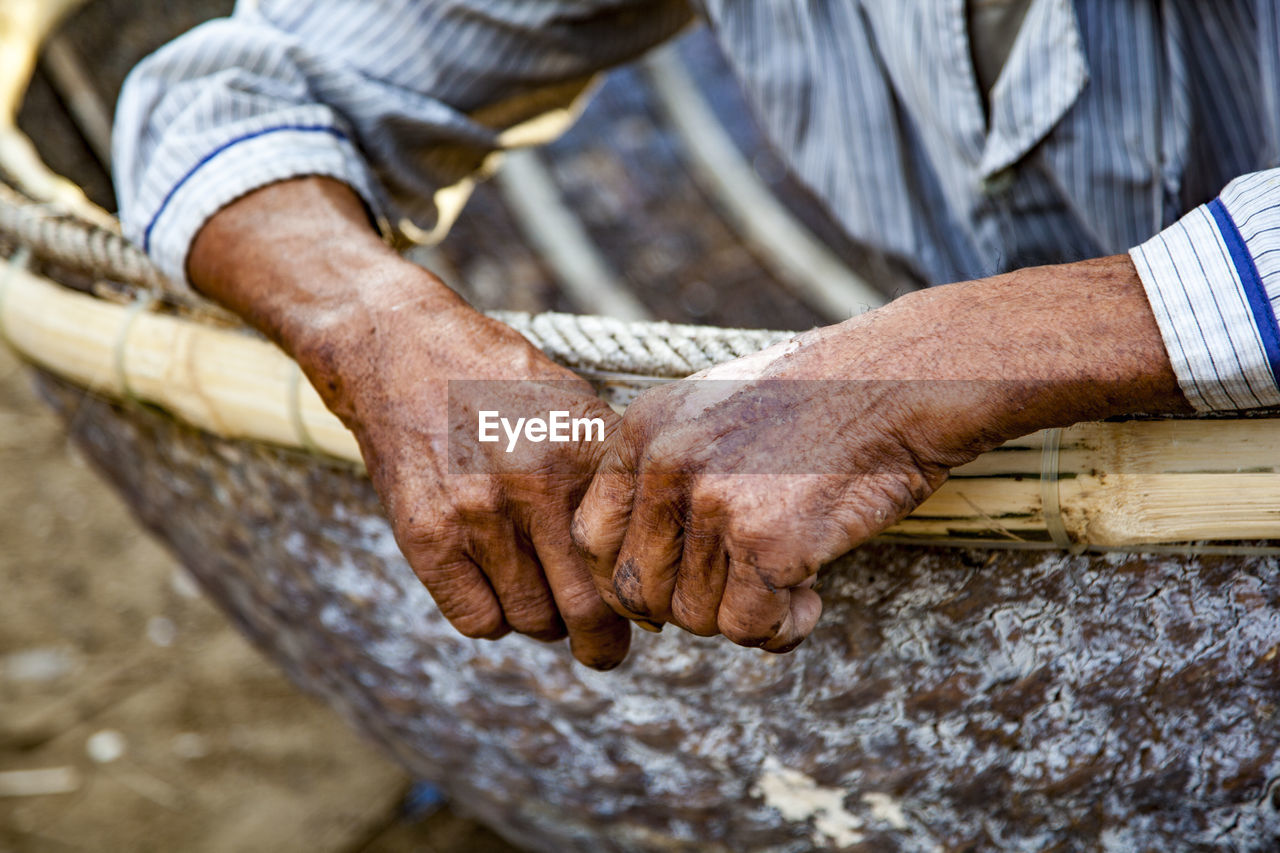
x=638, y=348
x=140, y=305
x=650, y=349
x=78, y=245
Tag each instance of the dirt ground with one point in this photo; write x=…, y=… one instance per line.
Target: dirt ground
x=123, y=688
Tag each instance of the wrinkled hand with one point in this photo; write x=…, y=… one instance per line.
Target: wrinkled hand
x=486, y=530
x=717, y=523
x=722, y=495
x=380, y=339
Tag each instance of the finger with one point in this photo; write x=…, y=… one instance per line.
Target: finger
x=649, y=559
x=598, y=637
x=752, y=610
x=700, y=580
x=464, y=597
x=802, y=617
x=521, y=588
x=600, y=524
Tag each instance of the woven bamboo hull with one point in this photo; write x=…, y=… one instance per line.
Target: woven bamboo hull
x=947, y=699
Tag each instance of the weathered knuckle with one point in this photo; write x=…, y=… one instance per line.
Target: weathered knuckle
x=668, y=454
x=695, y=619
x=524, y=607
x=475, y=504
x=706, y=498
x=589, y=408
x=836, y=533
x=640, y=424
x=586, y=612
x=776, y=561
x=765, y=550
x=741, y=630
x=752, y=536
x=438, y=573
x=648, y=407
x=763, y=524
x=549, y=475
x=887, y=497
x=426, y=538
x=530, y=614
x=628, y=588
x=478, y=622
x=584, y=536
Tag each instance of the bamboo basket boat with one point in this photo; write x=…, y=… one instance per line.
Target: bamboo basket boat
x=1075, y=644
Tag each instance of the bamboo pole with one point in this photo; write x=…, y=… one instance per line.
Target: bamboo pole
x=1119, y=484
x=222, y=381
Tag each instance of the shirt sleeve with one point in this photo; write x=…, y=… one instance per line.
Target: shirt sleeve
x=400, y=99
x=1213, y=280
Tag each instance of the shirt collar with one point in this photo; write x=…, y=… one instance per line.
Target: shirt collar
x=1042, y=79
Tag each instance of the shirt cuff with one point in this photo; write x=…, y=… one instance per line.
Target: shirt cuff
x=238, y=167
x=1212, y=279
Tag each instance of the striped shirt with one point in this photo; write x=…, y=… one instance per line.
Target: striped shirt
x=1113, y=125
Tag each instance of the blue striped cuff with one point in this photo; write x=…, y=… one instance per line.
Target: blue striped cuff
x=1213, y=309
x=237, y=168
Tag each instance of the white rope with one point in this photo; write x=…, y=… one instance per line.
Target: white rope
x=120, y=350
x=652, y=349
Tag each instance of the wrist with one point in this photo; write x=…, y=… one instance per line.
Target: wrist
x=1087, y=343
x=356, y=340
x=358, y=300
x=1087, y=332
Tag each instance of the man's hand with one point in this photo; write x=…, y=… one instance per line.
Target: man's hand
x=380, y=338
x=721, y=495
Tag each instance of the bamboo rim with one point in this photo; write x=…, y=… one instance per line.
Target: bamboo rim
x=1116, y=484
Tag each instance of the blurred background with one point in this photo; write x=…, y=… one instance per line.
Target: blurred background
x=132, y=714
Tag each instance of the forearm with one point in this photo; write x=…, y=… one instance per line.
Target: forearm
x=1065, y=343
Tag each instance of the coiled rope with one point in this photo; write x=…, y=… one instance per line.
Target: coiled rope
x=59, y=238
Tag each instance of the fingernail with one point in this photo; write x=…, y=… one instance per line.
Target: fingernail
x=651, y=627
